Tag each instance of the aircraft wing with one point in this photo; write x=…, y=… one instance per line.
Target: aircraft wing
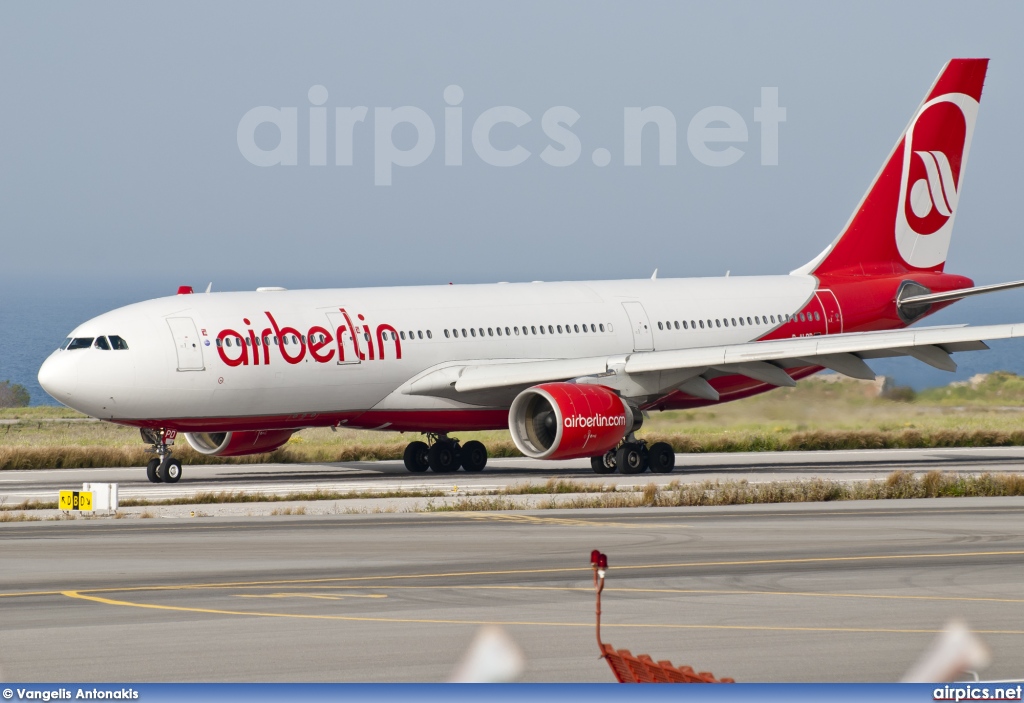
x=647, y=374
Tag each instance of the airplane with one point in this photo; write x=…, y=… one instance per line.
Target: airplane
x=568, y=368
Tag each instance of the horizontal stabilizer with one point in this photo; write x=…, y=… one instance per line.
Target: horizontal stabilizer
x=930, y=298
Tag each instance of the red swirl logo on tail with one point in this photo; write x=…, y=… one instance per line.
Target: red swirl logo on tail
x=934, y=153
x=937, y=191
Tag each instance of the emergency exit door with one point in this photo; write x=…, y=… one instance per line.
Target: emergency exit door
x=643, y=338
x=187, y=343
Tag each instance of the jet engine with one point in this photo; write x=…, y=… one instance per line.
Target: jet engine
x=237, y=443
x=569, y=420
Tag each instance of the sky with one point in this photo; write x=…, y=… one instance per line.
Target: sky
x=121, y=158
x=123, y=140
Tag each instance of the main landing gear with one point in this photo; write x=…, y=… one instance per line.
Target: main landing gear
x=163, y=468
x=444, y=455
x=634, y=457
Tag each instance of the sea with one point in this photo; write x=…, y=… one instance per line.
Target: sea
x=36, y=316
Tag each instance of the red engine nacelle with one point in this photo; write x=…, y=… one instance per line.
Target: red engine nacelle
x=569, y=420
x=237, y=443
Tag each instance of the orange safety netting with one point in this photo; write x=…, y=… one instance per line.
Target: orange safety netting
x=639, y=668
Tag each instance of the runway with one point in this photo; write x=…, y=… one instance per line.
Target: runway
x=281, y=479
x=811, y=592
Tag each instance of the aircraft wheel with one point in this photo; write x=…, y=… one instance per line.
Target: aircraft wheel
x=416, y=459
x=631, y=459
x=474, y=456
x=151, y=471
x=600, y=463
x=443, y=458
x=661, y=457
x=170, y=471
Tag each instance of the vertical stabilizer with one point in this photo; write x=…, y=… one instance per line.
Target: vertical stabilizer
x=905, y=220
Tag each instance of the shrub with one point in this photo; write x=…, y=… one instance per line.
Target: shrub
x=13, y=395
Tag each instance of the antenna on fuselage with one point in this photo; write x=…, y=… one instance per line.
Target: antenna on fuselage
x=654, y=276
x=209, y=286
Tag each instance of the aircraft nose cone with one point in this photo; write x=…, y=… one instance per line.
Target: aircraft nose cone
x=59, y=376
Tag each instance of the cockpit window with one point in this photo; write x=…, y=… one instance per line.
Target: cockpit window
x=65, y=344
x=116, y=342
x=101, y=343
x=81, y=343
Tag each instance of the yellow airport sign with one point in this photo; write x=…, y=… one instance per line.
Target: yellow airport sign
x=75, y=500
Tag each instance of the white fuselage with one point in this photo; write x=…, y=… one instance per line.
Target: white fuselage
x=169, y=372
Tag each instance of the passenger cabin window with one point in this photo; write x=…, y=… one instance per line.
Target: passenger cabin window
x=81, y=343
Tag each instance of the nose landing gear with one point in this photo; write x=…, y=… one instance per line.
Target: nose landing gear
x=163, y=468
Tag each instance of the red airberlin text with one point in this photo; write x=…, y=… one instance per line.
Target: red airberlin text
x=351, y=342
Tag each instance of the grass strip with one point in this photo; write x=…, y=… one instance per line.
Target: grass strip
x=567, y=494
x=898, y=485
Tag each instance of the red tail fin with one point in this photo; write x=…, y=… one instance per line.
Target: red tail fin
x=905, y=220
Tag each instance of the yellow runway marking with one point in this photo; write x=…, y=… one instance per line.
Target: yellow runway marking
x=685, y=591
x=319, y=596
x=434, y=621
x=25, y=594
x=556, y=570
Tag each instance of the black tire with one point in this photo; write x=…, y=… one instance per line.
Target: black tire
x=151, y=471
x=474, y=456
x=661, y=458
x=416, y=457
x=443, y=458
x=631, y=459
x=598, y=464
x=170, y=471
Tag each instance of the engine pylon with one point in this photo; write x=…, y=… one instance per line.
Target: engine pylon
x=639, y=668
